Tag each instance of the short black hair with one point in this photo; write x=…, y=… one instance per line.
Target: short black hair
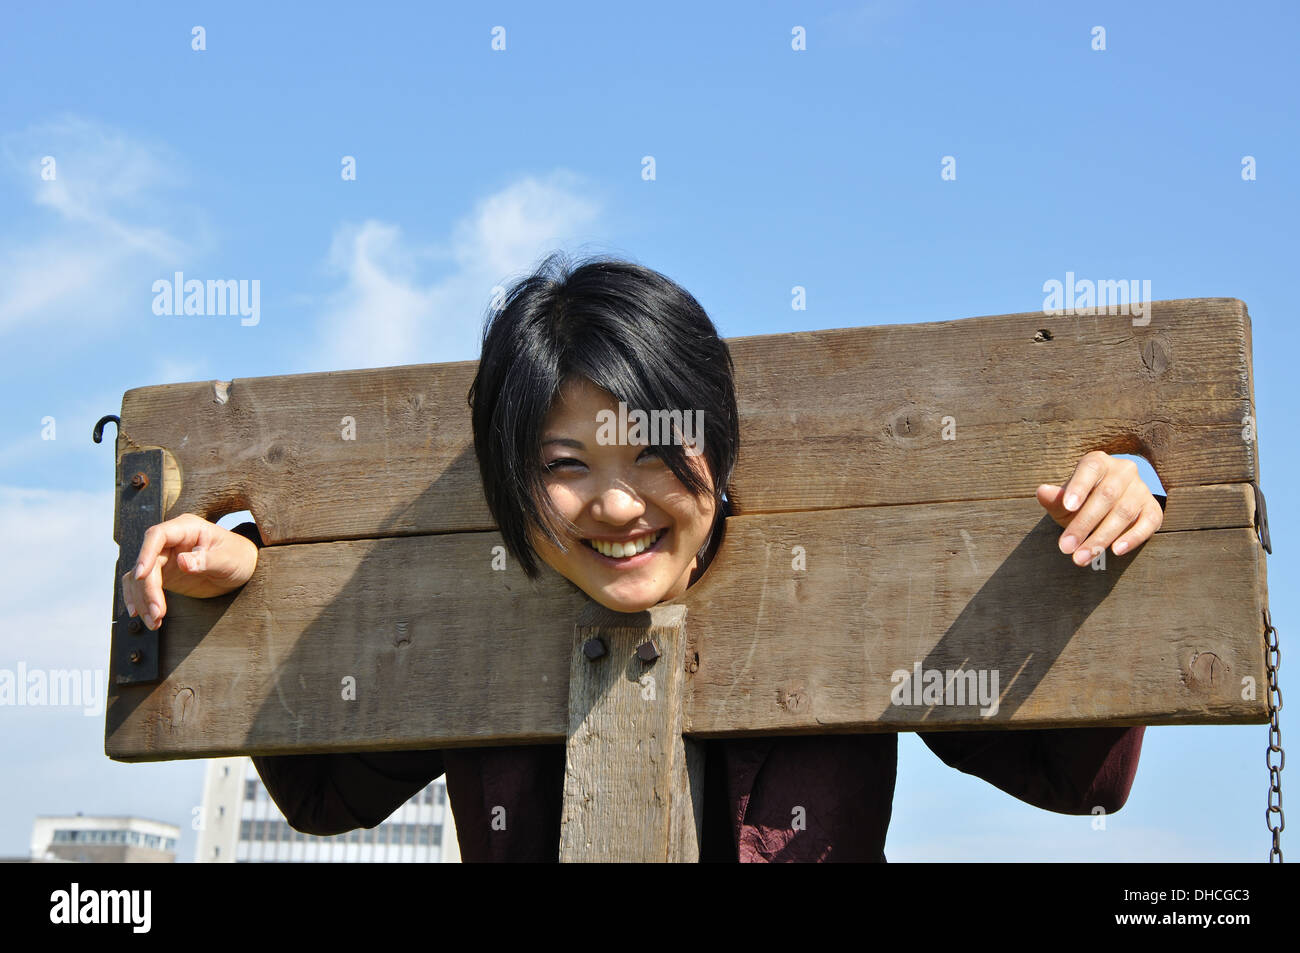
x=627, y=329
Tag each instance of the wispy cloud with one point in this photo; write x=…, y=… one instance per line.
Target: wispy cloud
x=97, y=232
x=391, y=309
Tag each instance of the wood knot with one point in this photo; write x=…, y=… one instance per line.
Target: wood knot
x=907, y=426
x=1156, y=354
x=1206, y=671
x=182, y=703
x=792, y=700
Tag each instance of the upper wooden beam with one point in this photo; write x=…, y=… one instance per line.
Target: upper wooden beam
x=829, y=419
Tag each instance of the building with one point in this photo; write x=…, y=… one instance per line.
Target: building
x=103, y=839
x=239, y=823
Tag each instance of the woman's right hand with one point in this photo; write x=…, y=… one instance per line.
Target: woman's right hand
x=188, y=555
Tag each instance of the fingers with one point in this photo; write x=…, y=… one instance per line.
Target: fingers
x=1091, y=469
x=155, y=605
x=142, y=587
x=1128, y=509
x=1051, y=497
x=1150, y=520
x=1099, y=484
x=171, y=533
x=196, y=560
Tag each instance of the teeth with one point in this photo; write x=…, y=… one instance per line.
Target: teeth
x=623, y=550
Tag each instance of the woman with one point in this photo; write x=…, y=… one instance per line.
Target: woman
x=567, y=347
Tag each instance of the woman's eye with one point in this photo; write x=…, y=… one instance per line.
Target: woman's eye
x=563, y=461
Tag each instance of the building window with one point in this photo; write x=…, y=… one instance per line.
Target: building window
x=250, y=790
x=410, y=833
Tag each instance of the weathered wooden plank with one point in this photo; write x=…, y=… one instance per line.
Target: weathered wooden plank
x=1163, y=635
x=861, y=417
x=633, y=786
x=445, y=651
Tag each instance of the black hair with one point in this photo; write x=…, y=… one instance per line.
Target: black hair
x=627, y=329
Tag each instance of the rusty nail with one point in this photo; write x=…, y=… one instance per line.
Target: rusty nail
x=140, y=481
x=135, y=656
x=135, y=625
x=593, y=649
x=647, y=651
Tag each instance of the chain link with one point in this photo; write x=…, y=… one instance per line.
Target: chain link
x=1273, y=659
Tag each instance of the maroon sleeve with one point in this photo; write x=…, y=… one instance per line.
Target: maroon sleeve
x=327, y=794
x=1067, y=770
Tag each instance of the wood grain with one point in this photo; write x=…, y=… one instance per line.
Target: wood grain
x=633, y=786
x=446, y=651
x=837, y=418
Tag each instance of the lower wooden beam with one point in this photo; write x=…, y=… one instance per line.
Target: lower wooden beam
x=799, y=624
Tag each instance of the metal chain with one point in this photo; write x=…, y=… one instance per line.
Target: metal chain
x=1273, y=659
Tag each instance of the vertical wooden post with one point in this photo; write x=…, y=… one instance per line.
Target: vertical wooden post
x=633, y=786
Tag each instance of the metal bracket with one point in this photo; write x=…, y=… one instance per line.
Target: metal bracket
x=133, y=659
x=1261, y=518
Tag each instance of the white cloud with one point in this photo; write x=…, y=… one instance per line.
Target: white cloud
x=96, y=235
x=386, y=313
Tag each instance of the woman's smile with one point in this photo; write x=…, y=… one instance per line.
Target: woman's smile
x=615, y=555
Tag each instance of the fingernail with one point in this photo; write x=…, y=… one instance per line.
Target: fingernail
x=1068, y=543
x=1072, y=501
x=130, y=609
x=1121, y=546
x=139, y=570
x=1085, y=553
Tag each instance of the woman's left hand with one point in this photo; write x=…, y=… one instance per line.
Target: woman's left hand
x=1102, y=500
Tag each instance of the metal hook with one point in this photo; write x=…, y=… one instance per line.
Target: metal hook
x=98, y=434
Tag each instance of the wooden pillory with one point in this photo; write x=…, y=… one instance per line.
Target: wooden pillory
x=885, y=522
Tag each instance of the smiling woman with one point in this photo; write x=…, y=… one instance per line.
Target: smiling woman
x=632, y=517
x=633, y=522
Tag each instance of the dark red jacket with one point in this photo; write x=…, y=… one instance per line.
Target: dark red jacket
x=844, y=785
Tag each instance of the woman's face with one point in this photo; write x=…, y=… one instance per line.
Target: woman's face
x=617, y=491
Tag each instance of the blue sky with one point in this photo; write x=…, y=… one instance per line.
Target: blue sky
x=774, y=168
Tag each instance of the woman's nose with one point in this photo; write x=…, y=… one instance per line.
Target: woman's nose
x=618, y=505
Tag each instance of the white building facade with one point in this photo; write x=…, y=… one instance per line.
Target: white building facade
x=103, y=839
x=241, y=824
